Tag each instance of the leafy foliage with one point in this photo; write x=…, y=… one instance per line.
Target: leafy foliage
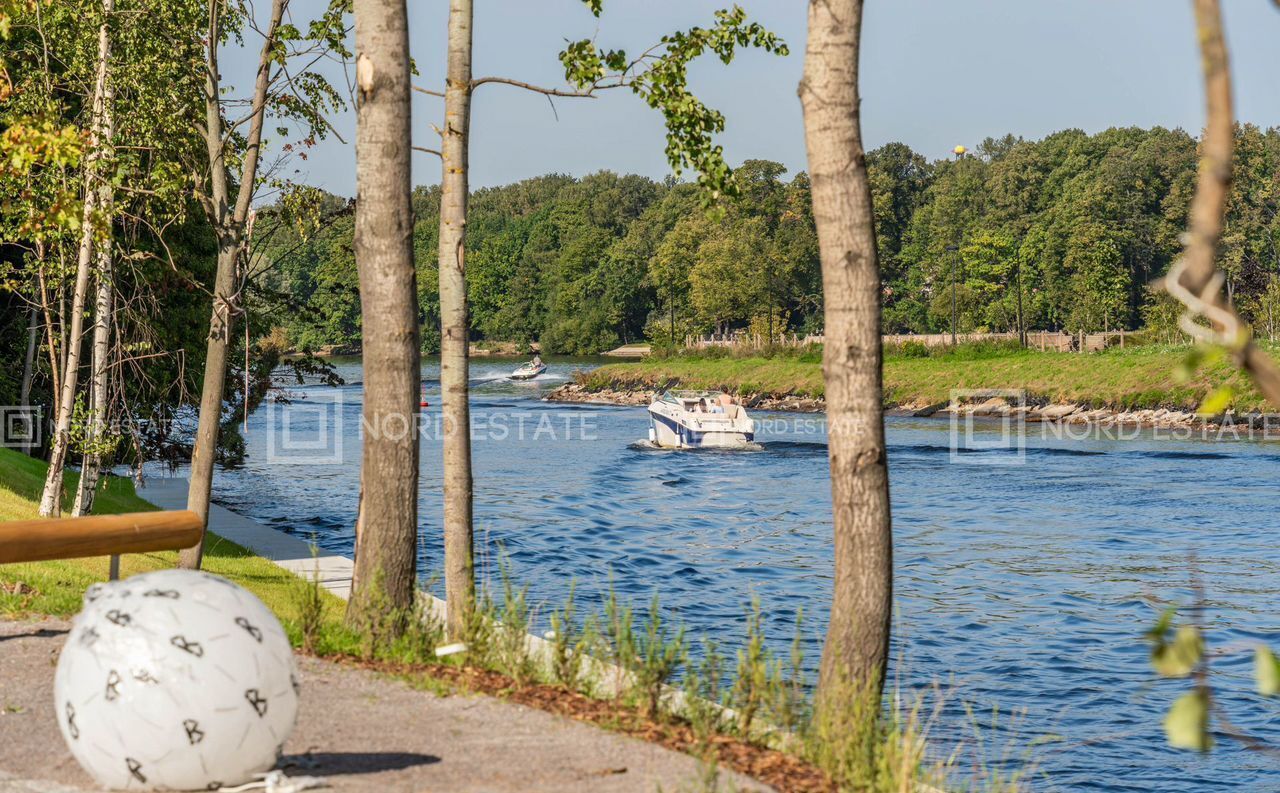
x=660, y=76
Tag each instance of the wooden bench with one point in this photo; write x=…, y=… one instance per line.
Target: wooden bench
x=97, y=535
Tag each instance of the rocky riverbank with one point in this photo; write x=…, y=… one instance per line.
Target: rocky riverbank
x=982, y=405
x=576, y=392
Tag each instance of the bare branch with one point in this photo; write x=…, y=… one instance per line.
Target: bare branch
x=589, y=93
x=1196, y=280
x=428, y=151
x=429, y=92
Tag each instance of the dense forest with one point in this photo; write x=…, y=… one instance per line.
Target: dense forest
x=1081, y=224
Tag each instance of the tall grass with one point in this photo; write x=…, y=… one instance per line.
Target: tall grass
x=862, y=743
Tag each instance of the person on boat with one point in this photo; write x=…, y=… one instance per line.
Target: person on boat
x=537, y=361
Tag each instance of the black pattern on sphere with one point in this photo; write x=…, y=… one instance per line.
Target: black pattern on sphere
x=135, y=768
x=194, y=734
x=71, y=721
x=258, y=702
x=253, y=631
x=113, y=685
x=182, y=643
x=119, y=618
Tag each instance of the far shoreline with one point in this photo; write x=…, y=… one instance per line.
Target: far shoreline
x=1139, y=387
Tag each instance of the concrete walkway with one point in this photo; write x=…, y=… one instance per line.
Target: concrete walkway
x=361, y=732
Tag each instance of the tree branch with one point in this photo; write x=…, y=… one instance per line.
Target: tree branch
x=588, y=93
x=428, y=151
x=429, y=92
x=1195, y=280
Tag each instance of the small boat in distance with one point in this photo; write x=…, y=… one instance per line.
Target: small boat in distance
x=699, y=420
x=529, y=370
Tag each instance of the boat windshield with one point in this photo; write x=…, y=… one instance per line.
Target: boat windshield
x=698, y=401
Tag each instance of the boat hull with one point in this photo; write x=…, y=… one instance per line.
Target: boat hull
x=521, y=374
x=670, y=434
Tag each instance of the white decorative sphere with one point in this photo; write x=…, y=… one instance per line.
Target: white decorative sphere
x=175, y=679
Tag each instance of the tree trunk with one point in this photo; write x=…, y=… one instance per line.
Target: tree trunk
x=228, y=222
x=51, y=498
x=857, y=646
x=55, y=369
x=28, y=373
x=387, y=522
x=98, y=378
x=459, y=567
x=102, y=318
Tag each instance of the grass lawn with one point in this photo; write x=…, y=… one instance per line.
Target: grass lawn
x=1137, y=377
x=55, y=588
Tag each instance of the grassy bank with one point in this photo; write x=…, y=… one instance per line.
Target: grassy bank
x=56, y=588
x=1134, y=378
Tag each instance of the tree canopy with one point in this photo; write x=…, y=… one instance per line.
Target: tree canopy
x=1085, y=222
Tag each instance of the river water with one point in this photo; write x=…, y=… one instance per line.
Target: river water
x=1024, y=580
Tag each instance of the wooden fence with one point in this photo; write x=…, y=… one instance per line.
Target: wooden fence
x=1044, y=340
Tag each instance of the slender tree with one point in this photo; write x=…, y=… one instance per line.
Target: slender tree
x=99, y=380
x=229, y=212
x=102, y=319
x=659, y=76
x=387, y=522
x=51, y=498
x=455, y=410
x=857, y=645
x=227, y=199
x=28, y=372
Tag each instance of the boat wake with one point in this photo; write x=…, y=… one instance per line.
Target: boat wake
x=649, y=446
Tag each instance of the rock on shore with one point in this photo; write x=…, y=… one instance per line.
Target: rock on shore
x=574, y=392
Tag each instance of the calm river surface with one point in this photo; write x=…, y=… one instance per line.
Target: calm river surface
x=1023, y=588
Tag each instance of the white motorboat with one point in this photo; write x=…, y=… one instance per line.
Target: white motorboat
x=528, y=371
x=699, y=419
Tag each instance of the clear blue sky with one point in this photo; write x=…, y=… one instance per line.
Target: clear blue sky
x=936, y=73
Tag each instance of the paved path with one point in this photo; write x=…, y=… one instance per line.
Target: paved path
x=361, y=732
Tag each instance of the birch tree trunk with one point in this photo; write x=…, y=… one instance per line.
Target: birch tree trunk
x=228, y=221
x=857, y=645
x=459, y=567
x=102, y=318
x=51, y=498
x=387, y=521
x=98, y=378
x=28, y=372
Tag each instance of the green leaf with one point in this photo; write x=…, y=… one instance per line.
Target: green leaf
x=1266, y=671
x=1186, y=725
x=1179, y=657
x=1216, y=402
x=1163, y=624
x=1186, y=368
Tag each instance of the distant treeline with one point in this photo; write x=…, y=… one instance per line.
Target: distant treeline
x=1080, y=224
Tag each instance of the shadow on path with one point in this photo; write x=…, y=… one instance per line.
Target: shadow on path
x=335, y=763
x=39, y=633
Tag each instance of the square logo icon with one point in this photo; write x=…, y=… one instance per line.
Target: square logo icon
x=988, y=426
x=306, y=431
x=20, y=426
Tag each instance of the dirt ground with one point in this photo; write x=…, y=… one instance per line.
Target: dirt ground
x=361, y=731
